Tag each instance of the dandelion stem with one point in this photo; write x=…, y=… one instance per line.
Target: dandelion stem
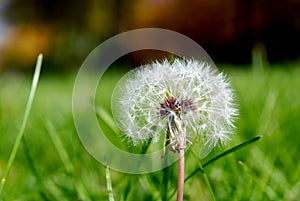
x=180, y=186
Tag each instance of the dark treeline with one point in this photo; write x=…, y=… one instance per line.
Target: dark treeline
x=66, y=31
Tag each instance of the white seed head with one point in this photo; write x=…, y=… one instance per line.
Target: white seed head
x=186, y=90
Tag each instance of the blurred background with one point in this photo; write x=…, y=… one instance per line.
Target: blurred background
x=66, y=31
x=255, y=42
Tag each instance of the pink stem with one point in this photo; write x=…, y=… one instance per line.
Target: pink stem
x=180, y=186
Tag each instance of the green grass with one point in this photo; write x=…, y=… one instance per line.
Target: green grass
x=52, y=164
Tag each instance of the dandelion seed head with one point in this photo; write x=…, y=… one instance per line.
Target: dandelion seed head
x=185, y=90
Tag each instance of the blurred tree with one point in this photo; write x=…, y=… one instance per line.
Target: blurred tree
x=56, y=11
x=66, y=31
x=229, y=29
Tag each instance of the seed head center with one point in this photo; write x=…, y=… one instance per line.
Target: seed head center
x=177, y=106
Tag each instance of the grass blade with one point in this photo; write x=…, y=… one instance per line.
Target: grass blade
x=107, y=119
x=108, y=184
x=59, y=147
x=128, y=187
x=41, y=187
x=233, y=149
x=165, y=182
x=208, y=185
x=28, y=107
x=80, y=188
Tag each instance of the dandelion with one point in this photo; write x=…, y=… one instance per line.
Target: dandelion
x=181, y=101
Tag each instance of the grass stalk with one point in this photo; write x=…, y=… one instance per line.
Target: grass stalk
x=66, y=160
x=108, y=184
x=40, y=184
x=58, y=144
x=225, y=153
x=24, y=122
x=165, y=182
x=206, y=180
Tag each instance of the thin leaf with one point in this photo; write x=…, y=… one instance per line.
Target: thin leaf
x=206, y=180
x=165, y=182
x=41, y=187
x=128, y=187
x=28, y=107
x=107, y=119
x=62, y=152
x=205, y=151
x=233, y=149
x=59, y=147
x=108, y=184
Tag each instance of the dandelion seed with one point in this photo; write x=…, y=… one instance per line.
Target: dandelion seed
x=183, y=99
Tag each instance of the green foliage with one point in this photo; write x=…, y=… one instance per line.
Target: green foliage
x=52, y=164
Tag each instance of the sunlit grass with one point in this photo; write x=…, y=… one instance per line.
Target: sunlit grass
x=20, y=134
x=54, y=165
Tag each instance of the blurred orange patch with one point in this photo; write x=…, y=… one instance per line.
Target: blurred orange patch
x=24, y=44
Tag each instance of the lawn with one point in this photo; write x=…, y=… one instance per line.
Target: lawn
x=52, y=164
